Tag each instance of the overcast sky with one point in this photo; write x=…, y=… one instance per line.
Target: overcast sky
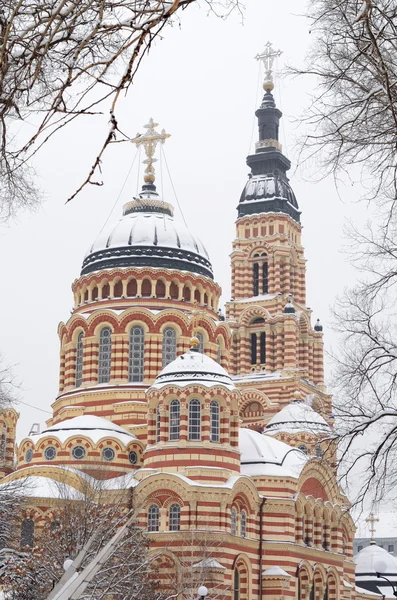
x=200, y=82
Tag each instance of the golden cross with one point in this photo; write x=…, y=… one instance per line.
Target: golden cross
x=267, y=57
x=149, y=141
x=372, y=520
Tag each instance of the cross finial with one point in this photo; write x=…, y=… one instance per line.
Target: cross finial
x=196, y=313
x=268, y=57
x=372, y=520
x=149, y=142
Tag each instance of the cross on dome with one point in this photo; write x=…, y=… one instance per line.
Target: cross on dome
x=149, y=142
x=372, y=520
x=268, y=57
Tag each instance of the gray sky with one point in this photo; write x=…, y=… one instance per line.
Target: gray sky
x=200, y=84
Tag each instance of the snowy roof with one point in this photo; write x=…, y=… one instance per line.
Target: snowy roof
x=36, y=486
x=91, y=426
x=148, y=235
x=275, y=572
x=297, y=417
x=208, y=563
x=264, y=455
x=367, y=558
x=193, y=367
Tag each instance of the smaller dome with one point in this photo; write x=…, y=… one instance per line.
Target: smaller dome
x=366, y=561
x=193, y=367
x=263, y=455
x=297, y=417
x=89, y=426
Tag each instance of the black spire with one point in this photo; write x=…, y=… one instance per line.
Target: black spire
x=268, y=188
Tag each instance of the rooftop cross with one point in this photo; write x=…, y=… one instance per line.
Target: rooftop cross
x=149, y=142
x=268, y=57
x=372, y=520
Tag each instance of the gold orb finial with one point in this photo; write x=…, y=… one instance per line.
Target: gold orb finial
x=268, y=85
x=194, y=342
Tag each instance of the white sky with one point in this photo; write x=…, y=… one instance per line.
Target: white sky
x=200, y=84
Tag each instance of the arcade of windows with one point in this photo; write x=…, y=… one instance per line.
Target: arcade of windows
x=258, y=344
x=136, y=362
x=174, y=518
x=194, y=421
x=260, y=274
x=242, y=520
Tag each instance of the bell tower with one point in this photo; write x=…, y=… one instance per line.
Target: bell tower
x=275, y=348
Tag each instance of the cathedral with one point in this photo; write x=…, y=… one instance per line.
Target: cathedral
x=213, y=423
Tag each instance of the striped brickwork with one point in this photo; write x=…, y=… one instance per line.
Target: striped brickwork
x=8, y=424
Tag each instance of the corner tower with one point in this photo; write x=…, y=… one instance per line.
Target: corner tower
x=275, y=350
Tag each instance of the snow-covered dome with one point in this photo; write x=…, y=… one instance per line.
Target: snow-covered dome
x=264, y=455
x=147, y=236
x=193, y=367
x=89, y=426
x=298, y=417
x=368, y=560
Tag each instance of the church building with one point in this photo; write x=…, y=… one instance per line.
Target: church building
x=219, y=427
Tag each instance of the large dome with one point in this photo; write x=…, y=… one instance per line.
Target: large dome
x=147, y=236
x=89, y=426
x=193, y=367
x=298, y=417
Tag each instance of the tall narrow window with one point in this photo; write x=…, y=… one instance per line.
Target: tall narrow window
x=175, y=420
x=105, y=355
x=158, y=424
x=169, y=345
x=3, y=442
x=137, y=345
x=263, y=347
x=153, y=518
x=175, y=517
x=194, y=420
x=253, y=348
x=256, y=279
x=265, y=277
x=27, y=533
x=243, y=523
x=233, y=526
x=214, y=406
x=236, y=585
x=79, y=360
x=218, y=352
x=200, y=338
x=312, y=592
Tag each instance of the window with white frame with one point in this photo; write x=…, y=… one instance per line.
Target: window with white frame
x=233, y=522
x=169, y=345
x=243, y=527
x=215, y=417
x=105, y=355
x=194, y=420
x=153, y=518
x=79, y=360
x=200, y=338
x=175, y=517
x=136, y=358
x=175, y=420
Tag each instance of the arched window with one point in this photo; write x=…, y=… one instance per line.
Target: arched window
x=236, y=585
x=79, y=360
x=175, y=420
x=175, y=517
x=194, y=420
x=200, y=338
x=303, y=448
x=218, y=352
x=169, y=345
x=137, y=345
x=253, y=348
x=118, y=289
x=27, y=533
x=312, y=592
x=233, y=526
x=255, y=279
x=263, y=347
x=3, y=442
x=265, y=277
x=153, y=518
x=215, y=429
x=158, y=424
x=105, y=355
x=325, y=597
x=243, y=524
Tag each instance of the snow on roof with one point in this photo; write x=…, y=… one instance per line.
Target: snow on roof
x=275, y=572
x=208, y=563
x=91, y=426
x=257, y=375
x=361, y=590
x=367, y=558
x=297, y=417
x=37, y=486
x=193, y=367
x=258, y=298
x=264, y=455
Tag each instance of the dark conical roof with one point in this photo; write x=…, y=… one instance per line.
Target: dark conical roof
x=268, y=188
